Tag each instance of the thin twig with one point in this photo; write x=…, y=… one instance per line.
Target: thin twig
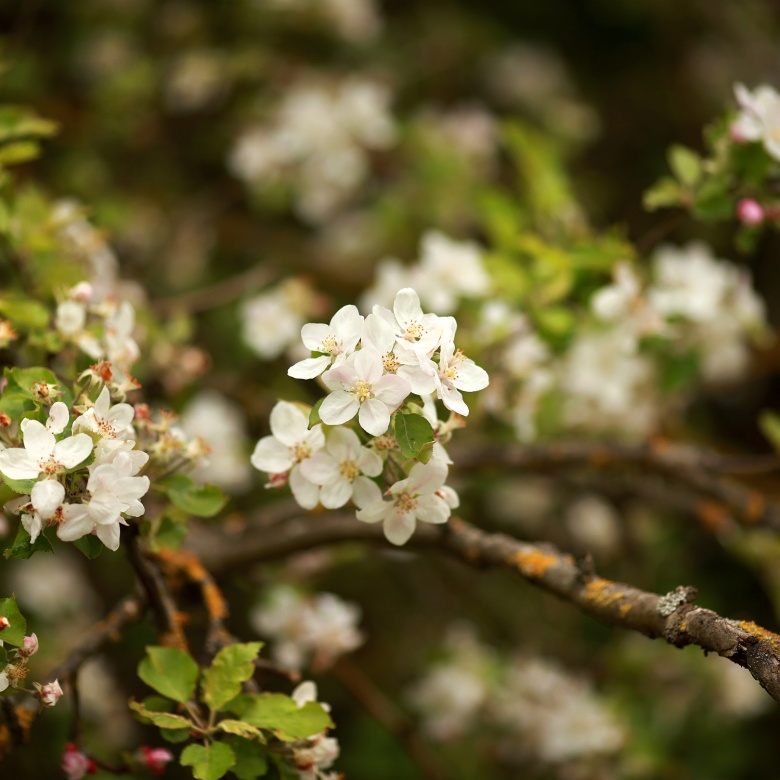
x=389, y=716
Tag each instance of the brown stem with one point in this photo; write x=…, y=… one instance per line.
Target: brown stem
x=388, y=715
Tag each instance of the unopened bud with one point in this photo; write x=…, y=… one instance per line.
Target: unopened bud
x=49, y=693
x=749, y=212
x=4, y=622
x=155, y=758
x=29, y=646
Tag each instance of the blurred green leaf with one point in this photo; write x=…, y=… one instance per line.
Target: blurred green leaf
x=231, y=667
x=210, y=761
x=15, y=633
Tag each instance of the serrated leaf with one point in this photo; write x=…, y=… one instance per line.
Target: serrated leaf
x=198, y=500
x=413, y=432
x=251, y=761
x=21, y=486
x=208, y=762
x=685, y=164
x=231, y=667
x=15, y=633
x=170, y=671
x=241, y=729
x=163, y=720
x=25, y=314
x=282, y=715
x=23, y=549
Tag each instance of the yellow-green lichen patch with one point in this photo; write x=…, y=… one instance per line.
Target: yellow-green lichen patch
x=755, y=630
x=604, y=594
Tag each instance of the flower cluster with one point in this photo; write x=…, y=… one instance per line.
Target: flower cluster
x=319, y=140
x=15, y=670
x=318, y=751
x=81, y=477
x=372, y=365
x=311, y=631
x=543, y=710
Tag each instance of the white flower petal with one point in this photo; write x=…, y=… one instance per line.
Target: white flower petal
x=374, y=417
x=399, y=527
x=73, y=450
x=58, y=417
x=365, y=492
x=16, y=463
x=306, y=493
x=309, y=368
x=336, y=493
x=339, y=407
x=46, y=496
x=288, y=423
x=272, y=456
x=320, y=468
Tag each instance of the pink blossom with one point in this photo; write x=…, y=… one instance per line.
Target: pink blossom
x=750, y=212
x=155, y=758
x=76, y=764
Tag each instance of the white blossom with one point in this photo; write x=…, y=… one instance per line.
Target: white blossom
x=289, y=444
x=413, y=499
x=759, y=117
x=336, y=341
x=360, y=388
x=105, y=420
x=42, y=453
x=343, y=469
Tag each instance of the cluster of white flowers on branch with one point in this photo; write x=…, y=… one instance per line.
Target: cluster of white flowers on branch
x=387, y=369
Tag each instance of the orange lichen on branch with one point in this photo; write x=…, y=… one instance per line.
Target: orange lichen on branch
x=749, y=627
x=603, y=593
x=714, y=516
x=756, y=507
x=533, y=564
x=189, y=565
x=175, y=636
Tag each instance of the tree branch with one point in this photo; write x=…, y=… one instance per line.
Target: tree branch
x=672, y=617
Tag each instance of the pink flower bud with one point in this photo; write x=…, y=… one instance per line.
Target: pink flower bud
x=155, y=758
x=29, y=647
x=749, y=212
x=82, y=292
x=49, y=693
x=4, y=622
x=76, y=764
x=736, y=134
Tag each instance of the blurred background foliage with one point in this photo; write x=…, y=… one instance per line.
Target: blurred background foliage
x=150, y=99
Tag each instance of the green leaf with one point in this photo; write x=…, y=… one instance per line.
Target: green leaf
x=231, y=667
x=22, y=549
x=15, y=633
x=19, y=152
x=170, y=671
x=19, y=122
x=21, y=486
x=685, y=164
x=282, y=715
x=769, y=423
x=90, y=545
x=241, y=729
x=251, y=761
x=210, y=761
x=664, y=193
x=169, y=534
x=14, y=403
x=314, y=414
x=413, y=432
x=199, y=500
x=26, y=314
x=163, y=720
x=25, y=378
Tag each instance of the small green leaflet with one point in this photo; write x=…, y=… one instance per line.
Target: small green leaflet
x=208, y=762
x=163, y=720
x=413, y=432
x=251, y=762
x=231, y=667
x=282, y=715
x=14, y=634
x=22, y=549
x=170, y=671
x=199, y=500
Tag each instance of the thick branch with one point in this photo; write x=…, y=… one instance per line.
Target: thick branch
x=672, y=617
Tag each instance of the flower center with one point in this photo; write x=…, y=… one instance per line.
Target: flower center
x=414, y=331
x=107, y=431
x=405, y=503
x=300, y=451
x=390, y=363
x=349, y=470
x=329, y=345
x=50, y=466
x=362, y=390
